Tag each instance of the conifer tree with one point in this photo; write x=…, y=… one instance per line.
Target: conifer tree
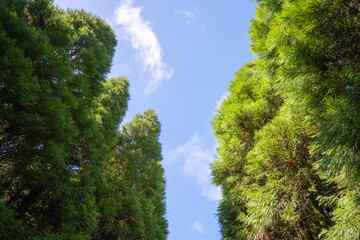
x=58, y=118
x=131, y=197
x=66, y=172
x=302, y=172
x=252, y=103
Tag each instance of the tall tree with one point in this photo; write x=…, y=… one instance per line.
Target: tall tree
x=58, y=116
x=270, y=190
x=252, y=103
x=316, y=49
x=131, y=197
x=304, y=163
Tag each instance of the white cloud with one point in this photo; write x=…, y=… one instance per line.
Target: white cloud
x=191, y=17
x=197, y=226
x=144, y=40
x=195, y=159
x=223, y=97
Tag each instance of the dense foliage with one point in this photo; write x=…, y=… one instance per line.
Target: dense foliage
x=66, y=172
x=289, y=131
x=131, y=196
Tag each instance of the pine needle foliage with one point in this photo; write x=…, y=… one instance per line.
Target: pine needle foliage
x=59, y=120
x=298, y=174
x=131, y=197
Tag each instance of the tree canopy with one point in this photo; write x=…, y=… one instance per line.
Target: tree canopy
x=288, y=133
x=59, y=120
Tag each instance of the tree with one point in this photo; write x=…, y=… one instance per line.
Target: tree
x=66, y=172
x=131, y=197
x=270, y=190
x=252, y=103
x=310, y=52
x=58, y=116
x=317, y=53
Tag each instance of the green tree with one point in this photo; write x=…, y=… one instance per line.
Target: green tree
x=314, y=45
x=131, y=197
x=252, y=103
x=65, y=170
x=58, y=117
x=304, y=162
x=270, y=190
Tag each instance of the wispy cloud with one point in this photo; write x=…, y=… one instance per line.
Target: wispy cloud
x=195, y=158
x=197, y=226
x=223, y=97
x=144, y=40
x=191, y=17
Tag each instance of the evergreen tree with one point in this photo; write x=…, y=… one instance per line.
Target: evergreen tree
x=270, y=190
x=300, y=179
x=252, y=103
x=65, y=170
x=58, y=118
x=131, y=197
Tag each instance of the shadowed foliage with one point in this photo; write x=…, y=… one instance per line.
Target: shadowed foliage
x=59, y=120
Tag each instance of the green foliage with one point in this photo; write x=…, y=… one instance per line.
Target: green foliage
x=304, y=164
x=59, y=123
x=282, y=200
x=9, y=227
x=346, y=215
x=132, y=195
x=252, y=103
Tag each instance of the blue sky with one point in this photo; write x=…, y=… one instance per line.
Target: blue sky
x=180, y=57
